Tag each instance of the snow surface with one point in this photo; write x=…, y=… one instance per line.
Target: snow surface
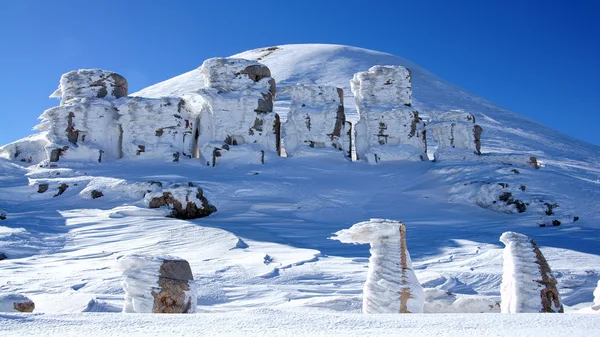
x=267, y=247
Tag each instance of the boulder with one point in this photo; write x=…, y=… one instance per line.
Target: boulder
x=185, y=201
x=157, y=284
x=16, y=303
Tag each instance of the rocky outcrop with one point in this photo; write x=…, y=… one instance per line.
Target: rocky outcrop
x=391, y=286
x=91, y=83
x=389, y=128
x=184, y=201
x=157, y=284
x=316, y=119
x=527, y=281
x=456, y=134
x=16, y=303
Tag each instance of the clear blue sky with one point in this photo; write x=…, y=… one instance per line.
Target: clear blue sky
x=537, y=58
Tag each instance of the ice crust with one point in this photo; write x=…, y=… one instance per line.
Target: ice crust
x=521, y=287
x=390, y=276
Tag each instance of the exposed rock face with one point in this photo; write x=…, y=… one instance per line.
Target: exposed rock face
x=16, y=303
x=316, y=119
x=388, y=129
x=392, y=286
x=186, y=202
x=456, y=135
x=236, y=105
x=96, y=194
x=91, y=83
x=527, y=282
x=157, y=284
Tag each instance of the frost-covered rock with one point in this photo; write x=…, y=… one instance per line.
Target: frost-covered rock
x=90, y=83
x=388, y=128
x=527, y=281
x=316, y=119
x=15, y=303
x=236, y=105
x=30, y=150
x=456, y=135
x=157, y=128
x=185, y=201
x=157, y=284
x=391, y=286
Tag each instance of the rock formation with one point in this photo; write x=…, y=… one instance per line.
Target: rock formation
x=16, y=303
x=316, y=119
x=185, y=201
x=157, y=284
x=527, y=281
x=391, y=286
x=389, y=128
x=456, y=134
x=90, y=83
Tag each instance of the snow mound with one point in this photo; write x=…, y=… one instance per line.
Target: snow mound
x=391, y=286
x=527, y=281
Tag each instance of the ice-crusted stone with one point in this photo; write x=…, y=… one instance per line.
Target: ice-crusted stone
x=185, y=201
x=391, y=286
x=91, y=83
x=16, y=303
x=389, y=128
x=316, y=119
x=157, y=284
x=527, y=281
x=29, y=150
x=456, y=134
x=236, y=105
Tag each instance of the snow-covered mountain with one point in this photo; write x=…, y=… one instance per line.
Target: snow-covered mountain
x=268, y=244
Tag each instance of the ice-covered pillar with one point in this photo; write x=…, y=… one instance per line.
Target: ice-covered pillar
x=157, y=284
x=527, y=281
x=389, y=128
x=392, y=286
x=597, y=297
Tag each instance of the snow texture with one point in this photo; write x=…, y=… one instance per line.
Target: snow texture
x=455, y=134
x=391, y=286
x=140, y=279
x=528, y=285
x=7, y=302
x=389, y=129
x=316, y=119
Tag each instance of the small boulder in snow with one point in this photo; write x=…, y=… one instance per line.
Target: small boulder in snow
x=392, y=286
x=527, y=281
x=157, y=284
x=3, y=256
x=185, y=201
x=86, y=83
x=16, y=303
x=389, y=129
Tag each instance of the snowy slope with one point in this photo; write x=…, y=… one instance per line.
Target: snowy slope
x=267, y=245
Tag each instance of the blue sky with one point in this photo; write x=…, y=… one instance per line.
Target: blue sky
x=540, y=59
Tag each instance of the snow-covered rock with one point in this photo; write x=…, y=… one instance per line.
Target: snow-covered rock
x=15, y=303
x=90, y=83
x=30, y=150
x=527, y=281
x=456, y=135
x=391, y=286
x=597, y=298
x=316, y=119
x=157, y=284
x=185, y=201
x=389, y=128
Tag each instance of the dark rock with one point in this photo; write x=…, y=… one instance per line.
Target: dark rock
x=523, y=187
x=506, y=196
x=556, y=222
x=61, y=189
x=515, y=171
x=550, y=208
x=575, y=218
x=173, y=280
x=42, y=188
x=533, y=162
x=504, y=185
x=3, y=256
x=97, y=194
x=190, y=211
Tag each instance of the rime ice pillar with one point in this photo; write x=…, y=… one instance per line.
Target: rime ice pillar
x=157, y=128
x=596, y=305
x=389, y=128
x=527, y=281
x=157, y=284
x=85, y=125
x=456, y=135
x=237, y=108
x=392, y=286
x=316, y=119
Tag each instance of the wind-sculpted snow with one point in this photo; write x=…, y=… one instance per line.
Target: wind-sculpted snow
x=316, y=119
x=388, y=128
x=391, y=286
x=527, y=281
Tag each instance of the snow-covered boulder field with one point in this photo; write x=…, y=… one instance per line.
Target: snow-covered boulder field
x=157, y=284
x=527, y=281
x=391, y=286
x=15, y=303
